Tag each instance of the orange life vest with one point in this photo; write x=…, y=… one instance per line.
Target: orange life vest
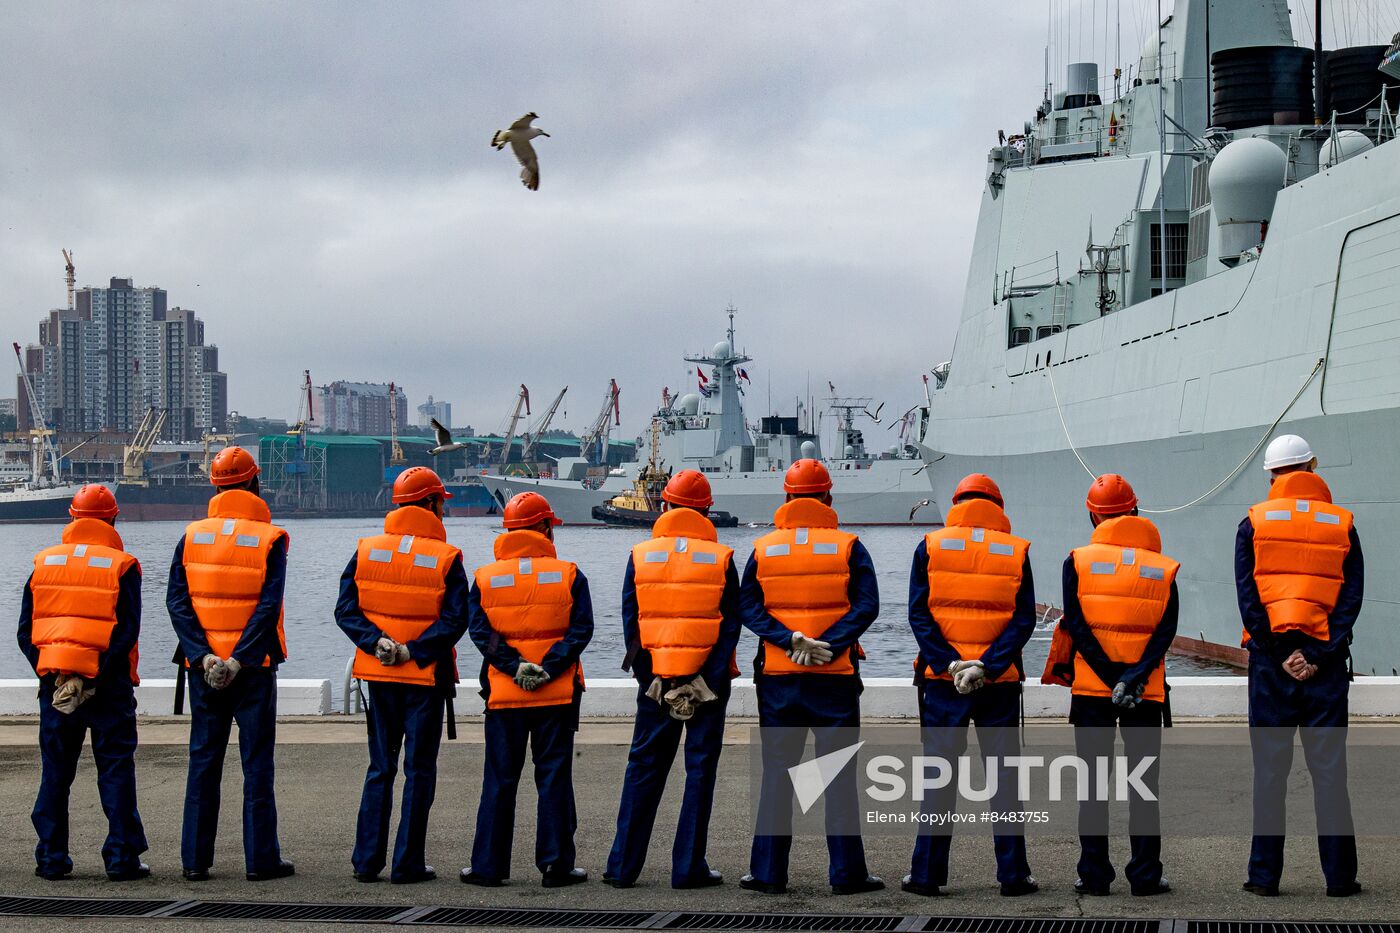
x=1300, y=543
x=527, y=594
x=225, y=559
x=1125, y=583
x=75, y=588
x=804, y=569
x=401, y=577
x=679, y=580
x=974, y=574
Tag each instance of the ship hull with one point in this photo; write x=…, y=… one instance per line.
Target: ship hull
x=1045, y=500
x=884, y=494
x=34, y=508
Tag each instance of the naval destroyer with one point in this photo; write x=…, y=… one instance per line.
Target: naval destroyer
x=707, y=431
x=1168, y=270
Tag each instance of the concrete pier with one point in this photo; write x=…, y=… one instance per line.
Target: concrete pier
x=321, y=763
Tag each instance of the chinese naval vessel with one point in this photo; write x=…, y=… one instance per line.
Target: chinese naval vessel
x=1169, y=271
x=707, y=431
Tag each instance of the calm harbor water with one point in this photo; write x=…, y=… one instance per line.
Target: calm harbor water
x=320, y=549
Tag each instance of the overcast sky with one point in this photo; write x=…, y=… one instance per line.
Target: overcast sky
x=315, y=181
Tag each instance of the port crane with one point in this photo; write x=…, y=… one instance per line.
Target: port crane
x=594, y=443
x=523, y=399
x=41, y=435
x=134, y=454
x=532, y=436
x=70, y=276
x=396, y=457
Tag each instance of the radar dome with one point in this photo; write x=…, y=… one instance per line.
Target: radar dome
x=1343, y=145
x=689, y=404
x=722, y=350
x=809, y=450
x=1245, y=179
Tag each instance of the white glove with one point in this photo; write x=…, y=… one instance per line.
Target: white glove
x=69, y=692
x=681, y=701
x=231, y=669
x=970, y=676
x=214, y=673
x=530, y=677
x=390, y=652
x=816, y=652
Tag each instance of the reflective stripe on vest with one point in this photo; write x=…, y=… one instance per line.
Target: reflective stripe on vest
x=75, y=588
x=401, y=578
x=526, y=594
x=225, y=557
x=679, y=580
x=1301, y=541
x=974, y=576
x=1125, y=584
x=804, y=569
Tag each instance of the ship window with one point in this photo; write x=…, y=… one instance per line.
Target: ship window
x=1046, y=331
x=1020, y=335
x=1176, y=251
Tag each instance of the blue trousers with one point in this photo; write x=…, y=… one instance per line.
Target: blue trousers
x=829, y=706
x=549, y=733
x=1094, y=719
x=110, y=717
x=403, y=717
x=1317, y=708
x=655, y=739
x=945, y=715
x=251, y=701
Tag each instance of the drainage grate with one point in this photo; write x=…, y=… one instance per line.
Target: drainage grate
x=854, y=923
x=1019, y=925
x=80, y=906
x=534, y=917
x=254, y=910
x=1285, y=926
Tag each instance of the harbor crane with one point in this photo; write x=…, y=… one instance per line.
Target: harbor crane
x=532, y=436
x=594, y=443
x=70, y=276
x=41, y=435
x=523, y=399
x=396, y=457
x=134, y=454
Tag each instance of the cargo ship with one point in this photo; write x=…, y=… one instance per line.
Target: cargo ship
x=1168, y=271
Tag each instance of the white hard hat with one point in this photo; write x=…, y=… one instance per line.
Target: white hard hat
x=1287, y=450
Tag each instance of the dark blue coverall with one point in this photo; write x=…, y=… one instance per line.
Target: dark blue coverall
x=251, y=700
x=110, y=716
x=829, y=705
x=549, y=733
x=1316, y=708
x=655, y=739
x=1094, y=719
x=405, y=717
x=945, y=715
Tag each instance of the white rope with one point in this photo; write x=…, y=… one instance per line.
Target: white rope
x=1317, y=368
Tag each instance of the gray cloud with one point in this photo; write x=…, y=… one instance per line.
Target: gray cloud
x=314, y=179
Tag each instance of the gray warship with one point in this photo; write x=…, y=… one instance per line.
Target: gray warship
x=1172, y=267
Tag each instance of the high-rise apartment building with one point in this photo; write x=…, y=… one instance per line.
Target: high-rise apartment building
x=357, y=407
x=430, y=409
x=121, y=350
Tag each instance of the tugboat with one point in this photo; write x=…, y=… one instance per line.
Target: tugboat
x=640, y=506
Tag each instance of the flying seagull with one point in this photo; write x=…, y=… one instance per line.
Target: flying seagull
x=445, y=444
x=519, y=136
x=921, y=504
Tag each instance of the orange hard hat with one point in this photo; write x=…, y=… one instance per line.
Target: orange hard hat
x=807, y=476
x=1111, y=494
x=94, y=501
x=526, y=509
x=417, y=483
x=689, y=487
x=232, y=465
x=980, y=483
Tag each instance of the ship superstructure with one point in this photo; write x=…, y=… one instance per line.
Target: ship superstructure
x=1166, y=268
x=707, y=431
